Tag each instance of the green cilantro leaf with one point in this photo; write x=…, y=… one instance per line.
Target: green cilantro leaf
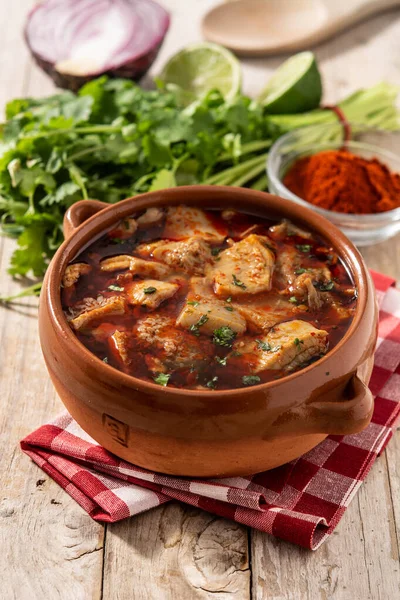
x=238, y=283
x=162, y=379
x=266, y=346
x=324, y=287
x=196, y=326
x=150, y=290
x=250, y=380
x=224, y=336
x=115, y=288
x=221, y=361
x=212, y=384
x=304, y=247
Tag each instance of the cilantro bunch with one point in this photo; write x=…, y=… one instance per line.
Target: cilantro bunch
x=110, y=141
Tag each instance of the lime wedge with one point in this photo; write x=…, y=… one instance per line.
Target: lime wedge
x=294, y=87
x=202, y=67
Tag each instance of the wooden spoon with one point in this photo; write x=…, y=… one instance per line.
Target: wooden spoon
x=259, y=27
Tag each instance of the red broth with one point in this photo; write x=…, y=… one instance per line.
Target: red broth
x=294, y=308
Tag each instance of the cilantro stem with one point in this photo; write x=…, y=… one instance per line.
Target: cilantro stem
x=236, y=170
x=247, y=149
x=89, y=150
x=32, y=290
x=249, y=175
x=261, y=183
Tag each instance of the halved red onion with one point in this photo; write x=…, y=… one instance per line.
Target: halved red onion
x=77, y=40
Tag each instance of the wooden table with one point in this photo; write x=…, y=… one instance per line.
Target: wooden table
x=50, y=548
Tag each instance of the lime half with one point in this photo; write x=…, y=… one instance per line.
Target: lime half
x=202, y=67
x=294, y=87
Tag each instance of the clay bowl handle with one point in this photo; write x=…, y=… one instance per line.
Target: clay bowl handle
x=350, y=415
x=78, y=213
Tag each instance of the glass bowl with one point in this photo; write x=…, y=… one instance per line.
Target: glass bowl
x=367, y=142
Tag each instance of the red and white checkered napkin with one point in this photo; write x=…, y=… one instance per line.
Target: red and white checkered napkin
x=301, y=502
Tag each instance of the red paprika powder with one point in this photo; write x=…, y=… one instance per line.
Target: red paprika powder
x=344, y=182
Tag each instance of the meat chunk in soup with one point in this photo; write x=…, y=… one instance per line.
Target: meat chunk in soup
x=286, y=228
x=287, y=346
x=119, y=346
x=190, y=256
x=137, y=266
x=206, y=316
x=92, y=310
x=183, y=222
x=263, y=316
x=299, y=281
x=124, y=230
x=244, y=268
x=74, y=272
x=147, y=268
x=151, y=217
x=170, y=347
x=116, y=263
x=150, y=292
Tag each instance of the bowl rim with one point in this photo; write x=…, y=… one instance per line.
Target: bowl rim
x=374, y=218
x=102, y=220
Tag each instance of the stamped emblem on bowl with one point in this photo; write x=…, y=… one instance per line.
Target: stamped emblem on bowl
x=118, y=430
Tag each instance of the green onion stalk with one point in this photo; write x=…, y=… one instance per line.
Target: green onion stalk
x=374, y=107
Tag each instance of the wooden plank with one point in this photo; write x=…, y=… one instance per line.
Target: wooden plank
x=50, y=548
x=360, y=560
x=379, y=539
x=393, y=467
x=176, y=553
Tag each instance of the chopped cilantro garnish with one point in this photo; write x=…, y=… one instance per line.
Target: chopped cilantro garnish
x=304, y=247
x=105, y=360
x=263, y=345
x=216, y=251
x=250, y=379
x=212, y=384
x=224, y=336
x=230, y=308
x=162, y=379
x=150, y=290
x=267, y=347
x=297, y=342
x=236, y=353
x=293, y=299
x=229, y=299
x=126, y=224
x=117, y=241
x=238, y=283
x=324, y=287
x=221, y=361
x=192, y=302
x=115, y=288
x=300, y=271
x=195, y=327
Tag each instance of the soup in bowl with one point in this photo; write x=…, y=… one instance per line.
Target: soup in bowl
x=208, y=331
x=208, y=300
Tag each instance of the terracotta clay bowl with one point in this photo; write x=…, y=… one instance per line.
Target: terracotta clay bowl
x=207, y=433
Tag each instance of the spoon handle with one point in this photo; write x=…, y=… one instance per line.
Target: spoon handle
x=348, y=12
